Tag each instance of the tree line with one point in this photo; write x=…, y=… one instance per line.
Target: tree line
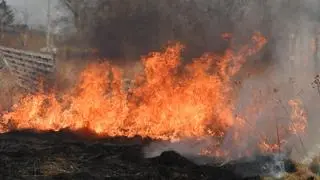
x=125, y=29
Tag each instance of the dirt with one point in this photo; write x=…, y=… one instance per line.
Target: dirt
x=65, y=155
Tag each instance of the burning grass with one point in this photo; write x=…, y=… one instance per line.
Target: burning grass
x=168, y=101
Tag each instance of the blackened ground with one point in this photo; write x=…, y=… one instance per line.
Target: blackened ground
x=64, y=155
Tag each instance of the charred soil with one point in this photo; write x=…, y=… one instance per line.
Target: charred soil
x=64, y=155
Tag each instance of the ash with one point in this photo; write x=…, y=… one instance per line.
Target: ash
x=65, y=155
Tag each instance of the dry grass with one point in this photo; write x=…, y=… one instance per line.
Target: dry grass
x=57, y=165
x=34, y=41
x=303, y=172
x=50, y=167
x=10, y=92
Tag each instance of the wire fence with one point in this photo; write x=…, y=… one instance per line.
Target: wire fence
x=28, y=67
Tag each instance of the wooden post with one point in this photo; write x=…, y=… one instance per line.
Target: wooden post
x=316, y=50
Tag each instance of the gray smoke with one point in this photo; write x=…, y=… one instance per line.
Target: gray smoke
x=289, y=67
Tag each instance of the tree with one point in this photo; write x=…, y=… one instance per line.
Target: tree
x=127, y=29
x=132, y=28
x=22, y=18
x=6, y=16
x=82, y=14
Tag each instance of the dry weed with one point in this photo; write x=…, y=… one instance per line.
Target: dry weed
x=10, y=92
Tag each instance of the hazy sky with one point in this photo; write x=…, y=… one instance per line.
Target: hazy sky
x=37, y=9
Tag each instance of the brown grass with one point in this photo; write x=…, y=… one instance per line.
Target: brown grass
x=10, y=92
x=303, y=172
x=35, y=41
x=57, y=165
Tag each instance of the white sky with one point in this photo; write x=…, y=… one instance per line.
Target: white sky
x=37, y=9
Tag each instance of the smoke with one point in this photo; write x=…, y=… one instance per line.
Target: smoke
x=186, y=147
x=197, y=24
x=289, y=76
x=282, y=72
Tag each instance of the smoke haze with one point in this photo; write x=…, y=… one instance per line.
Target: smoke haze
x=286, y=70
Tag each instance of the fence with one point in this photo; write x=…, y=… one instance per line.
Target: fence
x=28, y=67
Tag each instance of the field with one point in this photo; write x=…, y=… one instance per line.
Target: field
x=64, y=155
x=161, y=107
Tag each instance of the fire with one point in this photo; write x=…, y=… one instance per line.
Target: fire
x=226, y=36
x=168, y=101
x=267, y=147
x=298, y=117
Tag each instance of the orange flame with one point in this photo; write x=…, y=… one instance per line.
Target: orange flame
x=298, y=117
x=168, y=101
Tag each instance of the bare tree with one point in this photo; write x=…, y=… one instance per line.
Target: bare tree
x=6, y=16
x=82, y=13
x=24, y=21
x=122, y=29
